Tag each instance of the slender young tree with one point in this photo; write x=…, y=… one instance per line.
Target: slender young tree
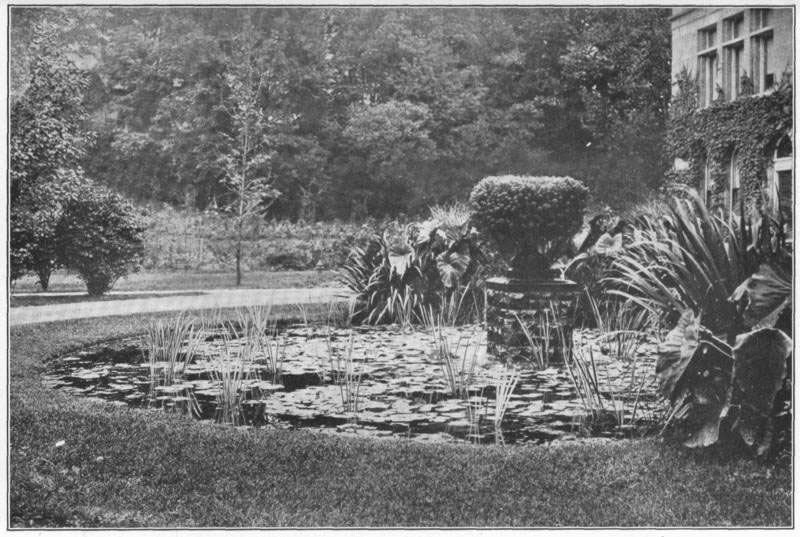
x=248, y=162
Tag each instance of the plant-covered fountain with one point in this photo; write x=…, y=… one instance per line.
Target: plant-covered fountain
x=530, y=220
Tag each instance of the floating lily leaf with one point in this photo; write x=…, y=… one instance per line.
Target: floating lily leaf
x=759, y=369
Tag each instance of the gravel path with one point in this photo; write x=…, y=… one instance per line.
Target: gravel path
x=219, y=298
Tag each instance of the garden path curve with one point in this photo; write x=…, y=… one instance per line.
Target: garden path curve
x=218, y=298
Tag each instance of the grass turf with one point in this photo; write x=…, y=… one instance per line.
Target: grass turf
x=180, y=280
x=123, y=467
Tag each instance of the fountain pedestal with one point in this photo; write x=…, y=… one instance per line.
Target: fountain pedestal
x=547, y=307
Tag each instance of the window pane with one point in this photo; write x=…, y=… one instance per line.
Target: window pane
x=755, y=63
x=731, y=77
x=732, y=27
x=734, y=172
x=769, y=70
x=706, y=38
x=712, y=83
x=758, y=19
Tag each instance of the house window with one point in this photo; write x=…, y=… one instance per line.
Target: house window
x=760, y=49
x=707, y=64
x=732, y=27
x=782, y=179
x=706, y=38
x=732, y=71
x=707, y=67
x=708, y=185
x=734, y=183
x=759, y=18
x=732, y=54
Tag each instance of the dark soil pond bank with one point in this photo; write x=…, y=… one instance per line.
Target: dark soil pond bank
x=397, y=386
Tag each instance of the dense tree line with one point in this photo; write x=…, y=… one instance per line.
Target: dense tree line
x=359, y=111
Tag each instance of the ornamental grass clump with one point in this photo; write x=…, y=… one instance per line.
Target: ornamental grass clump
x=531, y=219
x=344, y=374
x=456, y=357
x=169, y=347
x=230, y=371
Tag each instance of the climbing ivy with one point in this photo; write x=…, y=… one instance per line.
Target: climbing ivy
x=747, y=125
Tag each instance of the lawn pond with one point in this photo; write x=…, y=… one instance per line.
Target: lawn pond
x=403, y=390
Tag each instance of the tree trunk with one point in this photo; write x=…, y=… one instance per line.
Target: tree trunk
x=44, y=277
x=238, y=265
x=308, y=207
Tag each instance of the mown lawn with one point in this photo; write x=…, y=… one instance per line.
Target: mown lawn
x=77, y=462
x=181, y=280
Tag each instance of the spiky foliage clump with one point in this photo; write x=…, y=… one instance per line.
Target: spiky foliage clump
x=725, y=284
x=438, y=268
x=691, y=259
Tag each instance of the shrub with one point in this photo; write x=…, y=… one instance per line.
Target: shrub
x=33, y=221
x=101, y=238
x=33, y=243
x=529, y=218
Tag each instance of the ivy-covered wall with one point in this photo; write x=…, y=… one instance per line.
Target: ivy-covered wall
x=749, y=126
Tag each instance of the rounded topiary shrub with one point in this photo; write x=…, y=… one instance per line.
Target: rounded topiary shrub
x=101, y=237
x=531, y=219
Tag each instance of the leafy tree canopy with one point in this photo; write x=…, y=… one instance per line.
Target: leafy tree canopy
x=369, y=111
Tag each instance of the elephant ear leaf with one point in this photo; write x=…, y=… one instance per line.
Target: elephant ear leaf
x=764, y=296
x=706, y=385
x=675, y=353
x=694, y=372
x=759, y=371
x=453, y=263
x=399, y=263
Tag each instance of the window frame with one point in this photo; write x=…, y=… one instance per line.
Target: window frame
x=762, y=43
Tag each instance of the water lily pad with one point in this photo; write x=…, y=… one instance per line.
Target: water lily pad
x=401, y=388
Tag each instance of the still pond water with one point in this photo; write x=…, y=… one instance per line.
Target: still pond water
x=402, y=393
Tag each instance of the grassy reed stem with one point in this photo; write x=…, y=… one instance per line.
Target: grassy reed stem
x=457, y=362
x=344, y=374
x=230, y=371
x=171, y=343
x=505, y=385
